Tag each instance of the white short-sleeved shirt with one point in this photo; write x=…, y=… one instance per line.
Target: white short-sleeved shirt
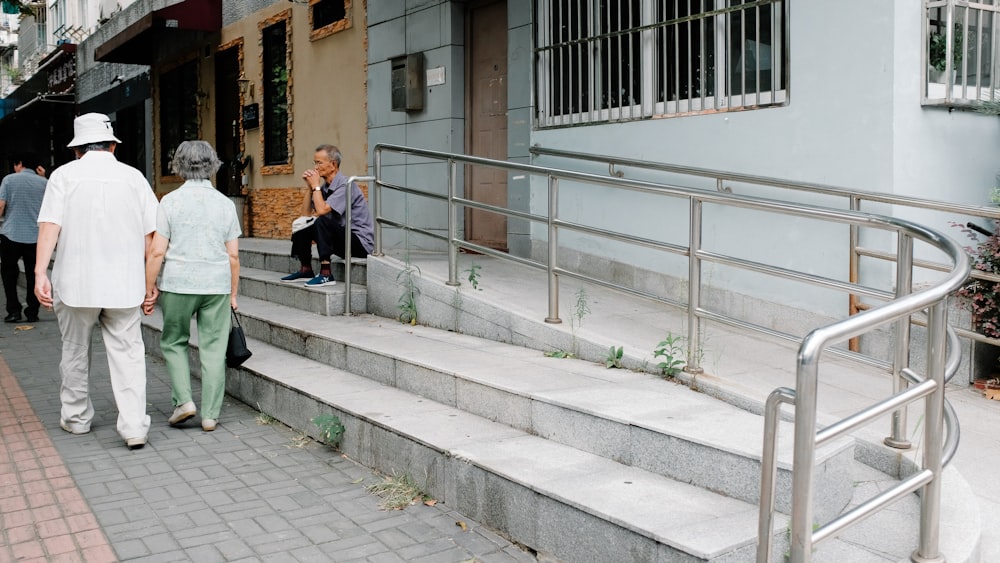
x=104, y=210
x=198, y=220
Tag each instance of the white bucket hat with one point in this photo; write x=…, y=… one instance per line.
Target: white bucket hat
x=92, y=128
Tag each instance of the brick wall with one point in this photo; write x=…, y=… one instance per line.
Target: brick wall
x=272, y=210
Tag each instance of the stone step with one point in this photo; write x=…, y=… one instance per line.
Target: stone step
x=554, y=498
x=632, y=418
x=274, y=256
x=324, y=300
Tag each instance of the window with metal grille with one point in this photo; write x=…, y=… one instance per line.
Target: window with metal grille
x=275, y=117
x=961, y=48
x=618, y=60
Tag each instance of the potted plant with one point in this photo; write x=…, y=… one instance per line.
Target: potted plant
x=937, y=53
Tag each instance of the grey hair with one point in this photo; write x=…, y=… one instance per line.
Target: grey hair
x=101, y=146
x=195, y=160
x=332, y=152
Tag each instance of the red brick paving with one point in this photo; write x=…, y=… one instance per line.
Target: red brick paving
x=43, y=515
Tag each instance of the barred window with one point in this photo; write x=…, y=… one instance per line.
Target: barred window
x=618, y=60
x=961, y=50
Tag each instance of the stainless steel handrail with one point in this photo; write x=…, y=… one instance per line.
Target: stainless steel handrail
x=819, y=340
x=897, y=436
x=347, y=238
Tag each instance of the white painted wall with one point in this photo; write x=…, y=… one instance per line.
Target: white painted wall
x=853, y=120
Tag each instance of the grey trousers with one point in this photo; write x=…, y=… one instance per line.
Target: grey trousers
x=121, y=330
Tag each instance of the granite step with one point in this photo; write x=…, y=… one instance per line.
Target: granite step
x=555, y=498
x=324, y=300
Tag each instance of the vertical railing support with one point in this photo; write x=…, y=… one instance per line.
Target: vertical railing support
x=348, y=198
x=854, y=264
x=804, y=456
x=769, y=469
x=452, y=224
x=694, y=289
x=930, y=499
x=377, y=203
x=553, y=256
x=901, y=353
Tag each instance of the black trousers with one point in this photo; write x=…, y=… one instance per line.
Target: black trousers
x=10, y=253
x=329, y=237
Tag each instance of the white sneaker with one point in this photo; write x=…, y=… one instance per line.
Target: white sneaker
x=135, y=443
x=182, y=413
x=208, y=424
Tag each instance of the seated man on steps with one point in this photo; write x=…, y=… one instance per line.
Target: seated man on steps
x=327, y=199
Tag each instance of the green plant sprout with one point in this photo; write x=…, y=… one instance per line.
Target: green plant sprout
x=614, y=359
x=407, y=304
x=473, y=272
x=672, y=353
x=331, y=430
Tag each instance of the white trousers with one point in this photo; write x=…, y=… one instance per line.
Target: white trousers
x=122, y=333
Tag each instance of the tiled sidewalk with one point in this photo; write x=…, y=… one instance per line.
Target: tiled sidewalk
x=246, y=492
x=43, y=515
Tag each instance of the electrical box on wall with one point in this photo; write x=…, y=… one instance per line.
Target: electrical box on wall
x=408, y=82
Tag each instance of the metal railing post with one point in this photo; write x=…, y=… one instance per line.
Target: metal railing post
x=347, y=238
x=377, y=204
x=452, y=224
x=854, y=269
x=804, y=457
x=930, y=499
x=901, y=353
x=694, y=289
x=769, y=469
x=553, y=251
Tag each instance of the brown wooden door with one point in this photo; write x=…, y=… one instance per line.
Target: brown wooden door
x=487, y=120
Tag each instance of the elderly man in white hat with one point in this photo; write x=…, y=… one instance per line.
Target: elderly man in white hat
x=103, y=215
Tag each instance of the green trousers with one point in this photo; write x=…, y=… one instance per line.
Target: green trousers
x=213, y=318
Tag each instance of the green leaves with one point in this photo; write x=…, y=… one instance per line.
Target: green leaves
x=331, y=430
x=614, y=359
x=672, y=353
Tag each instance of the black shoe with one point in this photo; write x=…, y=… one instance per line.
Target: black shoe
x=32, y=318
x=12, y=318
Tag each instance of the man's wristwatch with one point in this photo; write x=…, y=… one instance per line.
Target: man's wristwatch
x=317, y=188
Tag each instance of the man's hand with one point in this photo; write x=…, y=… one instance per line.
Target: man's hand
x=43, y=290
x=312, y=178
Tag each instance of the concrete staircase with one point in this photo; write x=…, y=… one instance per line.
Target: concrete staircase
x=563, y=456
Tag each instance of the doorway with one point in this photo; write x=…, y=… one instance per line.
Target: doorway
x=486, y=115
x=227, y=115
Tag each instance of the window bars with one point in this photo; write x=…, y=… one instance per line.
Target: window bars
x=619, y=60
x=960, y=54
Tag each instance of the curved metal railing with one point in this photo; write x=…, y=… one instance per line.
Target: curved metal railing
x=900, y=306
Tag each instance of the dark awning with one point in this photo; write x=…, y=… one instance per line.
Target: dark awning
x=140, y=41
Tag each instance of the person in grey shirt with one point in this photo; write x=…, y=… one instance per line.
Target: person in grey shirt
x=21, y=196
x=327, y=198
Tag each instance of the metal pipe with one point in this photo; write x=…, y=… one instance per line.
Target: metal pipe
x=871, y=506
x=553, y=253
x=694, y=287
x=769, y=469
x=377, y=202
x=452, y=224
x=804, y=456
x=930, y=500
x=849, y=423
x=901, y=350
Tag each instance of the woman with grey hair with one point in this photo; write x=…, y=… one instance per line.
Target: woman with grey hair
x=196, y=244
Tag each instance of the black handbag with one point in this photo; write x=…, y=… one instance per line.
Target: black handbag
x=237, y=351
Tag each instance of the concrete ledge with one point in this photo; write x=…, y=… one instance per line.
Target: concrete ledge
x=324, y=300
